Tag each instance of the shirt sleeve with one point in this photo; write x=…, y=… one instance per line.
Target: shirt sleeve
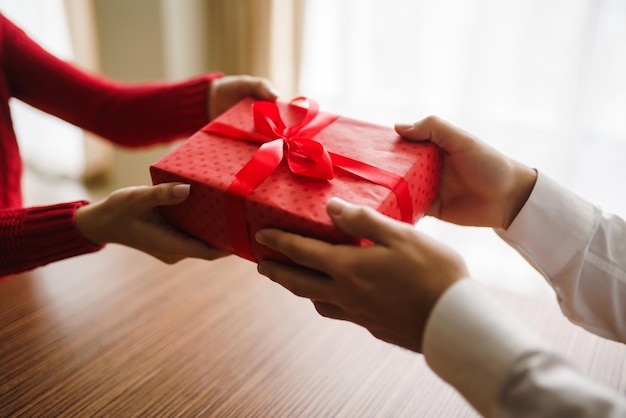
x=580, y=250
x=130, y=115
x=503, y=369
x=35, y=236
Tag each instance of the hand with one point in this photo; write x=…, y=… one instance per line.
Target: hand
x=131, y=217
x=226, y=91
x=389, y=287
x=479, y=185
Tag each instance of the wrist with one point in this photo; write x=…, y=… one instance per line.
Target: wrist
x=89, y=224
x=523, y=184
x=210, y=94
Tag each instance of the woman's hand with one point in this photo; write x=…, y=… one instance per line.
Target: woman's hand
x=228, y=90
x=131, y=217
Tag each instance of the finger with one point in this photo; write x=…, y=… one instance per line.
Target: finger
x=165, y=241
x=434, y=209
x=437, y=131
x=164, y=194
x=263, y=89
x=307, y=252
x=364, y=222
x=329, y=310
x=206, y=254
x=192, y=248
x=299, y=281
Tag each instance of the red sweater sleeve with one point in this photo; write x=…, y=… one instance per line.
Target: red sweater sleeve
x=33, y=237
x=129, y=115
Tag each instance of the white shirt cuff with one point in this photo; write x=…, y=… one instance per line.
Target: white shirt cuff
x=553, y=227
x=471, y=341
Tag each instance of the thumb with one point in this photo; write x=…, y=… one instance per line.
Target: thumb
x=436, y=130
x=166, y=194
x=263, y=89
x=364, y=222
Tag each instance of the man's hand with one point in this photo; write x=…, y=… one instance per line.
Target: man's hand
x=479, y=185
x=389, y=287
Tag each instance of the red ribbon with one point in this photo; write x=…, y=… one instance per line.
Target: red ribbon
x=304, y=157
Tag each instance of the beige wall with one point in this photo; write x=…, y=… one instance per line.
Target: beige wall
x=142, y=40
x=129, y=37
x=185, y=37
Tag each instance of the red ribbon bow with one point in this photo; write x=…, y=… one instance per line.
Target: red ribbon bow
x=304, y=157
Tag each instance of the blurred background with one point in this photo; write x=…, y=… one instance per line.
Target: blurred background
x=544, y=81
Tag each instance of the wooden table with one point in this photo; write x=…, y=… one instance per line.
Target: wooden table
x=119, y=334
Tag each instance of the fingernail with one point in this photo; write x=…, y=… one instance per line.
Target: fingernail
x=274, y=92
x=181, y=190
x=403, y=126
x=335, y=206
x=260, y=237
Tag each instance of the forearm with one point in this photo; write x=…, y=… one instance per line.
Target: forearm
x=580, y=251
x=463, y=320
x=502, y=368
x=142, y=115
x=131, y=115
x=33, y=237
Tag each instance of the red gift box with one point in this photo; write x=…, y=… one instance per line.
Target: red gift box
x=264, y=164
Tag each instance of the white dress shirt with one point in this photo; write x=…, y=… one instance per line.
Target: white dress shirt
x=492, y=359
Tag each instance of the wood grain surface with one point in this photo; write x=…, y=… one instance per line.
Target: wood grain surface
x=120, y=334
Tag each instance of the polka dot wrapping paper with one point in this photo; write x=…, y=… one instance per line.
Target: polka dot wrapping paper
x=210, y=161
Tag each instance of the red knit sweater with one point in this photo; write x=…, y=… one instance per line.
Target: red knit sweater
x=128, y=115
